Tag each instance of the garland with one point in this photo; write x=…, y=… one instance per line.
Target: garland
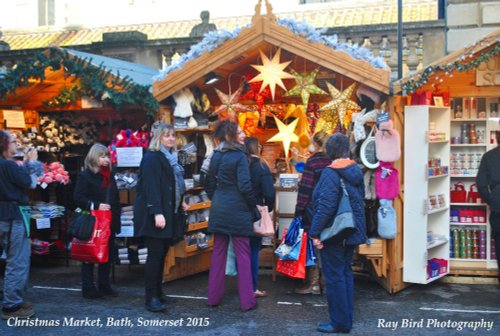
x=464, y=63
x=94, y=82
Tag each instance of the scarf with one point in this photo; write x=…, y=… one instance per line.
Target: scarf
x=106, y=174
x=180, y=187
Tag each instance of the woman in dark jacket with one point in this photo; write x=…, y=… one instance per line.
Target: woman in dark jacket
x=158, y=209
x=336, y=256
x=96, y=189
x=232, y=214
x=263, y=187
x=14, y=181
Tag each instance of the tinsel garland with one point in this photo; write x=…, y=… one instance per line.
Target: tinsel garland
x=312, y=34
x=214, y=39
x=94, y=82
x=465, y=63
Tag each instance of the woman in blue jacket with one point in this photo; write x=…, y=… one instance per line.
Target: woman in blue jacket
x=263, y=187
x=232, y=213
x=336, y=256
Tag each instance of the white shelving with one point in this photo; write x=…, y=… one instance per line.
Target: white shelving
x=418, y=187
x=485, y=125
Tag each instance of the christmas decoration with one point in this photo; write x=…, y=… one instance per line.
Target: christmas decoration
x=94, y=82
x=302, y=130
x=271, y=72
x=286, y=134
x=54, y=172
x=304, y=86
x=248, y=122
x=434, y=73
x=230, y=106
x=312, y=114
x=258, y=96
x=340, y=104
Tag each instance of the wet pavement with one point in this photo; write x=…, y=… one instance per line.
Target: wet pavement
x=435, y=309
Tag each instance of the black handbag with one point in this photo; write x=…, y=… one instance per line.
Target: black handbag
x=81, y=226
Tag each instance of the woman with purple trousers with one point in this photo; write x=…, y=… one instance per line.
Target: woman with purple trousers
x=232, y=214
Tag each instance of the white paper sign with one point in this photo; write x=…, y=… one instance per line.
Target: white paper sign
x=129, y=156
x=14, y=119
x=43, y=223
x=126, y=231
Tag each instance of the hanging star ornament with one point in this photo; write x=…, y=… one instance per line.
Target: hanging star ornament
x=271, y=72
x=230, y=106
x=302, y=130
x=286, y=134
x=304, y=86
x=341, y=103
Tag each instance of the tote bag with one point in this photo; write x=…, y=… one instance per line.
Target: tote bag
x=343, y=223
x=294, y=268
x=264, y=226
x=96, y=249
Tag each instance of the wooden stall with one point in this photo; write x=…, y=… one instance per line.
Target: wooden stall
x=231, y=60
x=465, y=83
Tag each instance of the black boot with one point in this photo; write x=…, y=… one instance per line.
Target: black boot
x=108, y=291
x=154, y=305
x=91, y=293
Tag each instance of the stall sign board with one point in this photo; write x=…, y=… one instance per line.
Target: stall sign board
x=43, y=223
x=488, y=73
x=129, y=156
x=14, y=119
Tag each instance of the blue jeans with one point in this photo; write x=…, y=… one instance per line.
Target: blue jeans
x=17, y=265
x=336, y=261
x=255, y=245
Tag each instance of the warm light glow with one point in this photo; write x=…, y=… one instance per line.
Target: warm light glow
x=271, y=72
x=286, y=134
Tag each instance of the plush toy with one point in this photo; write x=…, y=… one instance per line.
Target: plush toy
x=184, y=100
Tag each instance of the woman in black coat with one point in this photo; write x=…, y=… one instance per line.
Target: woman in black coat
x=232, y=213
x=96, y=189
x=158, y=209
x=263, y=187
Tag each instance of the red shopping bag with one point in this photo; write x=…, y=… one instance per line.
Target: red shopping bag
x=294, y=268
x=458, y=195
x=96, y=249
x=473, y=195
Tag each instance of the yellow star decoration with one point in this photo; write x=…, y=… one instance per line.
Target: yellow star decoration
x=304, y=86
x=340, y=104
x=286, y=134
x=230, y=105
x=271, y=72
x=302, y=130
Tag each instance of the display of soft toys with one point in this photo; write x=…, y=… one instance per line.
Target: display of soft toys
x=54, y=173
x=128, y=138
x=183, y=108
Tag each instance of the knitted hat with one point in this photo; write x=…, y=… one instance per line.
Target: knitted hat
x=337, y=146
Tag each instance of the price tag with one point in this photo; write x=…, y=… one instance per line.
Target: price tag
x=43, y=185
x=43, y=223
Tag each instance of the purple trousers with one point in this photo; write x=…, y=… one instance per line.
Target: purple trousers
x=217, y=273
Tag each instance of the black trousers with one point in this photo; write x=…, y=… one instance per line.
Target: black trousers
x=495, y=234
x=153, y=270
x=103, y=270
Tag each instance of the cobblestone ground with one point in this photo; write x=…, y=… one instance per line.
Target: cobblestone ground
x=435, y=309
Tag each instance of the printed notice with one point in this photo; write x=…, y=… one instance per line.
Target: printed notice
x=129, y=156
x=14, y=119
x=43, y=223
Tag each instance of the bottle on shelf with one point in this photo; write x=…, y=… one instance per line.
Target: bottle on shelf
x=473, y=108
x=466, y=113
x=464, y=132
x=472, y=133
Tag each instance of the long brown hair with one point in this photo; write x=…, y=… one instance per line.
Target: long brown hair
x=254, y=149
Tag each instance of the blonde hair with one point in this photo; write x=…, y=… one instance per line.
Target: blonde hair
x=92, y=158
x=158, y=132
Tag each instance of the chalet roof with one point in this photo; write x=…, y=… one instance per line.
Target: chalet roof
x=413, y=11
x=235, y=53
x=489, y=41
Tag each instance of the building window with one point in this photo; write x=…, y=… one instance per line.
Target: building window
x=46, y=12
